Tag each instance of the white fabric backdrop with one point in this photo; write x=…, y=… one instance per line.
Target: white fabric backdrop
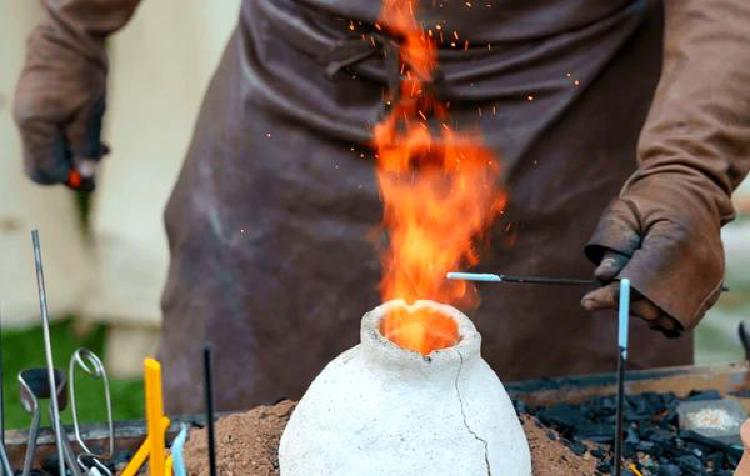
x=160, y=66
x=24, y=206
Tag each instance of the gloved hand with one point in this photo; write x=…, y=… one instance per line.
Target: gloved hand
x=60, y=95
x=608, y=297
x=663, y=235
x=663, y=230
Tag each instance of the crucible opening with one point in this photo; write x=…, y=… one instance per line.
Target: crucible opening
x=419, y=329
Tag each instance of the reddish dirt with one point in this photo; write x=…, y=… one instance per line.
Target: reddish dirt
x=551, y=457
x=247, y=444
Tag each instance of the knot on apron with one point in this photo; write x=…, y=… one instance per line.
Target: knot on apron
x=346, y=53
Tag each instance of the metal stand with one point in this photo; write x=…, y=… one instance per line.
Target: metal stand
x=208, y=387
x=4, y=462
x=622, y=342
x=620, y=409
x=48, y=347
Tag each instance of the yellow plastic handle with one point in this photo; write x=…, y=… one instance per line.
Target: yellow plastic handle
x=156, y=427
x=137, y=461
x=168, y=466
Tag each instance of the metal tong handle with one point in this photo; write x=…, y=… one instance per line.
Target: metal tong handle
x=48, y=345
x=90, y=363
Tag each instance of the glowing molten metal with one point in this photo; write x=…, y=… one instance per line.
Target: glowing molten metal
x=439, y=189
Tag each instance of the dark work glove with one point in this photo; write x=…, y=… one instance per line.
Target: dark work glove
x=663, y=230
x=608, y=297
x=663, y=234
x=60, y=96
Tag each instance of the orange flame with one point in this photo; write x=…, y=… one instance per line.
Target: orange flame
x=439, y=189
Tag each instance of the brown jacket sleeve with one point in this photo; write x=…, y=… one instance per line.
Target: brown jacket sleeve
x=693, y=151
x=699, y=123
x=86, y=23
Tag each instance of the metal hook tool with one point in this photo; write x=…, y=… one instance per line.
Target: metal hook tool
x=4, y=461
x=47, y=345
x=90, y=363
x=34, y=386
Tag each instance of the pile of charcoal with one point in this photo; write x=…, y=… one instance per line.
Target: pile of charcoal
x=653, y=440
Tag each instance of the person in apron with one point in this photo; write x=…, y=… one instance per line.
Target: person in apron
x=272, y=221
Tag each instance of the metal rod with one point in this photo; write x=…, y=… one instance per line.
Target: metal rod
x=208, y=387
x=545, y=280
x=28, y=460
x=2, y=392
x=7, y=470
x=48, y=348
x=506, y=278
x=90, y=363
x=616, y=463
x=70, y=457
x=623, y=322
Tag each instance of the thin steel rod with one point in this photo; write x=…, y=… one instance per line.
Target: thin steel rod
x=506, y=278
x=545, y=280
x=617, y=462
x=48, y=348
x=208, y=387
x=623, y=325
x=509, y=278
x=2, y=392
x=7, y=470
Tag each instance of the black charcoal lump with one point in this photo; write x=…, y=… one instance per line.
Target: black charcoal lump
x=652, y=439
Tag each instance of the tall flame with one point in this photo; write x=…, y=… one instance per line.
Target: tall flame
x=439, y=189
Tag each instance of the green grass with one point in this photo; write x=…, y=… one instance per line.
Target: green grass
x=23, y=349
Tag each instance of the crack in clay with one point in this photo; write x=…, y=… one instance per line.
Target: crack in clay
x=463, y=414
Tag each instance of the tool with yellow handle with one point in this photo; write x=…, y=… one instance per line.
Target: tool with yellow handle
x=168, y=466
x=156, y=425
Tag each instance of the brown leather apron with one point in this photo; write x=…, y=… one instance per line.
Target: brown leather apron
x=272, y=221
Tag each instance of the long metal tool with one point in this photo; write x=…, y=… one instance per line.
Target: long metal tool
x=7, y=470
x=34, y=387
x=622, y=344
x=31, y=385
x=208, y=387
x=91, y=364
x=48, y=346
x=507, y=278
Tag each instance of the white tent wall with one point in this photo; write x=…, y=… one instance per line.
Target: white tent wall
x=161, y=63
x=24, y=206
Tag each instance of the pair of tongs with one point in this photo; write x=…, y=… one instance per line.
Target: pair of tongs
x=88, y=460
x=34, y=389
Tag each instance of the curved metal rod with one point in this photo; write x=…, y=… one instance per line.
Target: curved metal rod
x=7, y=470
x=31, y=405
x=95, y=463
x=90, y=363
x=48, y=347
